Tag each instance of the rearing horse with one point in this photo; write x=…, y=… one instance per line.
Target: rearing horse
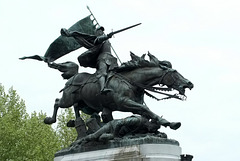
x=128, y=84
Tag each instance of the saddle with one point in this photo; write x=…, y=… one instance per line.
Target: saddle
x=80, y=79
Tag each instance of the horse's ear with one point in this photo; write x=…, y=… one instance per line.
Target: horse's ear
x=153, y=59
x=143, y=56
x=134, y=57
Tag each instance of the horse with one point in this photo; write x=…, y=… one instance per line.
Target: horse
x=129, y=83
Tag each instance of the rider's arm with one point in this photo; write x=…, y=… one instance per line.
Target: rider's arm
x=100, y=39
x=65, y=32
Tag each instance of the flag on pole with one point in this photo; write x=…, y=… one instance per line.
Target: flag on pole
x=64, y=45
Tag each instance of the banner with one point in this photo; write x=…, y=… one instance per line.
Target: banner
x=64, y=45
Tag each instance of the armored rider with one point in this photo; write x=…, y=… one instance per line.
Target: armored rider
x=98, y=54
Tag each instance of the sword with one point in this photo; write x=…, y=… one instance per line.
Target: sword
x=115, y=32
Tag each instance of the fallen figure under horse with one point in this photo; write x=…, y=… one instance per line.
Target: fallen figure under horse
x=128, y=83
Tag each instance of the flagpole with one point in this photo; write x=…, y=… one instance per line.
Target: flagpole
x=99, y=25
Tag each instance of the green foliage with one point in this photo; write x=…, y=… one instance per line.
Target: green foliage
x=66, y=135
x=40, y=138
x=84, y=116
x=13, y=115
x=24, y=137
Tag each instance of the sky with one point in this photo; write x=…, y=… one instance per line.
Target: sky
x=200, y=38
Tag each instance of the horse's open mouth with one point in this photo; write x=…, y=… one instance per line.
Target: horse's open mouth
x=175, y=92
x=181, y=89
x=168, y=92
x=180, y=95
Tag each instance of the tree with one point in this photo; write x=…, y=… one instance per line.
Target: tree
x=24, y=137
x=66, y=135
x=13, y=114
x=40, y=138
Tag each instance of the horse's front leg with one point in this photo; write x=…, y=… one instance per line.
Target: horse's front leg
x=129, y=105
x=50, y=120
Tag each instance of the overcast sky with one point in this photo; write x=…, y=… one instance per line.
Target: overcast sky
x=200, y=38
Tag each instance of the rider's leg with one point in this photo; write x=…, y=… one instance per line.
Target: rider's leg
x=102, y=73
x=102, y=83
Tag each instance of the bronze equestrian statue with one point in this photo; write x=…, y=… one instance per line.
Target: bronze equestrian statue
x=128, y=83
x=111, y=87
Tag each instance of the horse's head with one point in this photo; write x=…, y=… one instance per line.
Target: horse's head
x=170, y=77
x=150, y=73
x=173, y=79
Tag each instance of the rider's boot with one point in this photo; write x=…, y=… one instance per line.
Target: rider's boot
x=104, y=90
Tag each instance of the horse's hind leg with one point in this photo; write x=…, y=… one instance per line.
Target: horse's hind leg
x=67, y=100
x=106, y=115
x=50, y=120
x=71, y=123
x=76, y=110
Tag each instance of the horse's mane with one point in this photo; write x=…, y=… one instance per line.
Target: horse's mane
x=138, y=62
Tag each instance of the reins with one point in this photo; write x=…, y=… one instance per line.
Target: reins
x=150, y=88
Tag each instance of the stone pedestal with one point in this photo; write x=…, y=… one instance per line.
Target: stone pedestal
x=142, y=152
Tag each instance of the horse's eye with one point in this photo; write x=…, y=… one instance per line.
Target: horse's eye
x=169, y=79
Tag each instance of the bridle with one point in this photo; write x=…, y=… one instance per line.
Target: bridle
x=154, y=89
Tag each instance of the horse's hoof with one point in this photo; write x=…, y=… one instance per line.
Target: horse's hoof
x=49, y=120
x=175, y=125
x=71, y=123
